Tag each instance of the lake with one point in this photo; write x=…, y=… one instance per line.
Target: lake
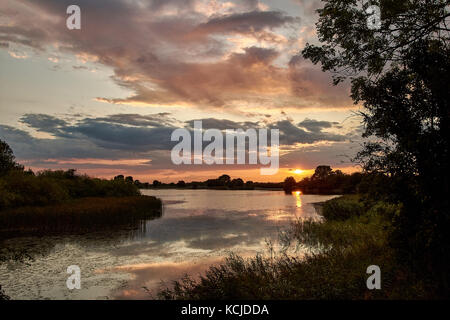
x=198, y=228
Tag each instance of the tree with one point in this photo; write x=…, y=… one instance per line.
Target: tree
x=401, y=75
x=225, y=179
x=120, y=177
x=289, y=184
x=129, y=179
x=7, y=159
x=70, y=174
x=322, y=173
x=352, y=50
x=237, y=183
x=181, y=184
x=156, y=183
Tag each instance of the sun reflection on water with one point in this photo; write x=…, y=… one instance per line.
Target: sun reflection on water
x=298, y=198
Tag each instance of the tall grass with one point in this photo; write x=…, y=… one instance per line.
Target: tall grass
x=80, y=215
x=338, y=252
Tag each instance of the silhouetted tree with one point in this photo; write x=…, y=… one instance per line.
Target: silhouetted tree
x=289, y=184
x=181, y=184
x=401, y=74
x=7, y=159
x=225, y=179
x=156, y=183
x=70, y=173
x=129, y=179
x=322, y=173
x=237, y=183
x=119, y=177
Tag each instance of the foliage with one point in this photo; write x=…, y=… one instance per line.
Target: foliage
x=289, y=184
x=322, y=173
x=351, y=49
x=80, y=215
x=343, y=208
x=18, y=188
x=334, y=266
x=401, y=75
x=7, y=159
x=327, y=181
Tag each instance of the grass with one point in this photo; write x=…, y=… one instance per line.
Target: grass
x=80, y=215
x=338, y=252
x=20, y=189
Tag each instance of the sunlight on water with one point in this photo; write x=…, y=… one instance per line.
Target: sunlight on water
x=198, y=229
x=298, y=199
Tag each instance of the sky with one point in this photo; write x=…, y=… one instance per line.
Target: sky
x=105, y=99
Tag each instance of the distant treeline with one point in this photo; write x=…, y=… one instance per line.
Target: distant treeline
x=224, y=182
x=324, y=181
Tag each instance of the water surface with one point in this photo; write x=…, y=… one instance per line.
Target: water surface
x=198, y=229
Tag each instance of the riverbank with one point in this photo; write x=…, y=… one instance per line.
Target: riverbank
x=332, y=264
x=80, y=215
x=308, y=192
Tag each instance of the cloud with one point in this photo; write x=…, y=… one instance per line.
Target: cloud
x=316, y=126
x=290, y=134
x=155, y=120
x=116, y=132
x=176, y=52
x=223, y=124
x=244, y=23
x=132, y=136
x=43, y=122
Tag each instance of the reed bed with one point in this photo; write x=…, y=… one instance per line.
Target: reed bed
x=85, y=214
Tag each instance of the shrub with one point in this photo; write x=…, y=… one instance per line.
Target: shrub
x=19, y=188
x=343, y=208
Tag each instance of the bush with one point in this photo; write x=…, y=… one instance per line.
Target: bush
x=19, y=188
x=343, y=208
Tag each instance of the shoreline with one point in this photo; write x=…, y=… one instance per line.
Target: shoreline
x=254, y=189
x=80, y=215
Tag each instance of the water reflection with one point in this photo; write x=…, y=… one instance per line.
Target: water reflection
x=298, y=198
x=198, y=228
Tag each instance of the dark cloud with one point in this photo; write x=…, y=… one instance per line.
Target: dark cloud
x=128, y=132
x=155, y=120
x=245, y=23
x=316, y=126
x=338, y=154
x=291, y=134
x=43, y=122
x=26, y=147
x=223, y=124
x=131, y=136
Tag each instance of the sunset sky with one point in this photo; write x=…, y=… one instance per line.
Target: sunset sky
x=105, y=99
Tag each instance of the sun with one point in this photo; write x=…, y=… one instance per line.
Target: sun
x=298, y=171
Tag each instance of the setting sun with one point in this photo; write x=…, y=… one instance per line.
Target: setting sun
x=298, y=171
